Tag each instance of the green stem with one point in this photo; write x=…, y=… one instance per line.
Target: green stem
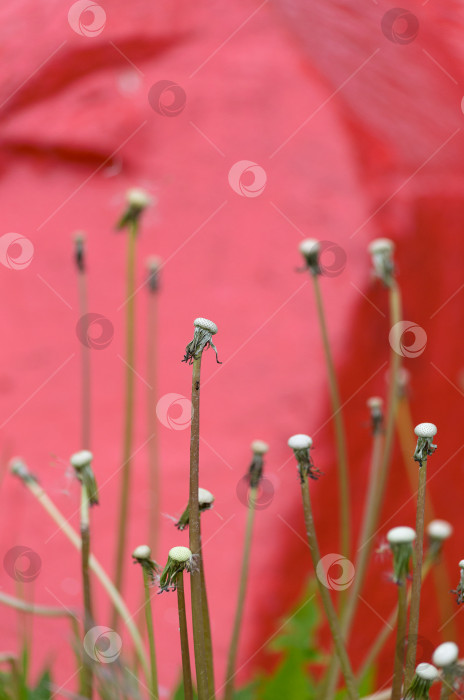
x=446, y=688
x=400, y=640
x=87, y=671
x=95, y=566
x=153, y=464
x=416, y=578
x=129, y=415
x=232, y=658
x=85, y=354
x=207, y=631
x=34, y=609
x=151, y=637
x=184, y=645
x=325, y=595
x=345, y=523
x=195, y=538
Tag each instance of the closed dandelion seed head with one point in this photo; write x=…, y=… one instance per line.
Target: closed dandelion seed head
x=259, y=447
x=425, y=675
x=179, y=559
x=255, y=471
x=381, y=250
x=301, y=445
x=310, y=249
x=81, y=459
x=180, y=554
x=205, y=497
x=205, y=502
x=425, y=433
x=375, y=404
x=461, y=564
x=142, y=555
x=401, y=535
x=400, y=540
x=439, y=529
x=300, y=442
x=445, y=655
x=20, y=469
x=426, y=430
x=202, y=338
x=137, y=201
x=82, y=463
x=381, y=245
x=143, y=551
x=427, y=671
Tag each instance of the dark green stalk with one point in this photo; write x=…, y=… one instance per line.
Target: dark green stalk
x=184, y=645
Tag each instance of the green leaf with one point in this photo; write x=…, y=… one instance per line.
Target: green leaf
x=179, y=692
x=290, y=681
x=42, y=691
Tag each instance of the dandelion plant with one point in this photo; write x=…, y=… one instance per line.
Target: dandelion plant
x=142, y=555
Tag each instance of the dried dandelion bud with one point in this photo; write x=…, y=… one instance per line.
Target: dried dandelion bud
x=20, y=469
x=205, y=502
x=154, y=265
x=381, y=250
x=459, y=590
x=310, y=249
x=255, y=472
x=79, y=250
x=179, y=559
x=375, y=404
x=82, y=463
x=425, y=433
x=401, y=540
x=438, y=531
x=142, y=555
x=301, y=445
x=137, y=201
x=202, y=338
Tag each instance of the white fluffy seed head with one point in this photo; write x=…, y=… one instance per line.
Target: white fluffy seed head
x=310, y=246
x=138, y=198
x=259, y=447
x=425, y=430
x=401, y=535
x=300, y=442
x=205, y=497
x=461, y=564
x=382, y=246
x=439, y=529
x=206, y=325
x=375, y=402
x=180, y=554
x=427, y=671
x=445, y=654
x=143, y=551
x=81, y=459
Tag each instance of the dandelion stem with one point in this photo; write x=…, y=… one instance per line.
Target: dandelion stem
x=325, y=595
x=151, y=637
x=401, y=622
x=85, y=358
x=129, y=414
x=33, y=609
x=345, y=524
x=232, y=658
x=94, y=565
x=153, y=463
x=446, y=689
x=87, y=671
x=207, y=630
x=195, y=537
x=184, y=645
x=416, y=578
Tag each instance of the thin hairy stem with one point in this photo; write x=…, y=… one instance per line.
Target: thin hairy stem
x=207, y=630
x=416, y=578
x=87, y=671
x=342, y=451
x=184, y=644
x=95, y=566
x=401, y=623
x=85, y=361
x=195, y=538
x=232, y=658
x=129, y=416
x=152, y=424
x=154, y=693
x=325, y=595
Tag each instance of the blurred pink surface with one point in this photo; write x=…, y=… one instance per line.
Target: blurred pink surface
x=358, y=137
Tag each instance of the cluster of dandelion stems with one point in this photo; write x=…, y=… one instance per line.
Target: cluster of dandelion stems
x=339, y=621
